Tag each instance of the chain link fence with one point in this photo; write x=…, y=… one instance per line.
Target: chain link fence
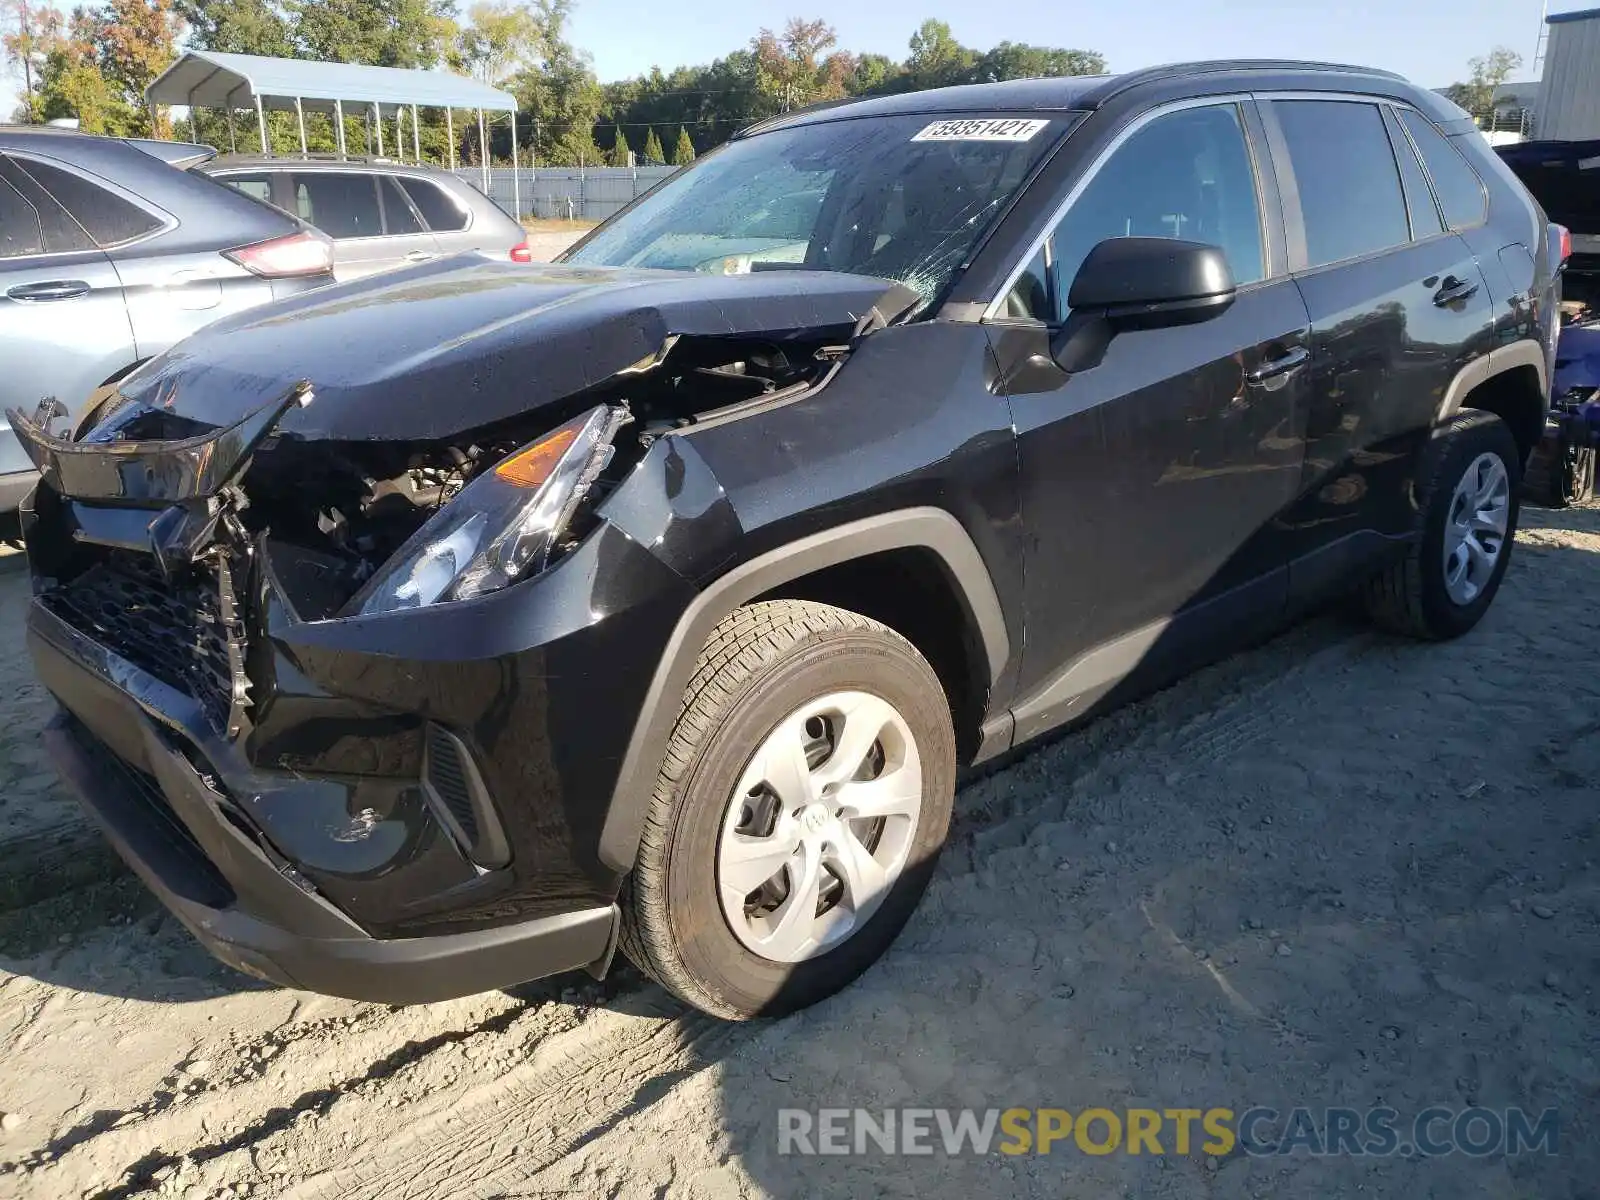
x=573, y=193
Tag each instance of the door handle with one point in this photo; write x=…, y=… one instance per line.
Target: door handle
x=421, y=256
x=1274, y=368
x=56, y=289
x=1454, y=291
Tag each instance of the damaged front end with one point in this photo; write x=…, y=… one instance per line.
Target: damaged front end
x=375, y=679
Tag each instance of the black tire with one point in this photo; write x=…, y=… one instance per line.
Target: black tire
x=761, y=663
x=1409, y=595
x=1559, y=476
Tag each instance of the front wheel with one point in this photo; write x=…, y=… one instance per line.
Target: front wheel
x=1467, y=486
x=799, y=814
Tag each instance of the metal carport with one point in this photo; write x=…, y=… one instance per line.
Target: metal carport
x=210, y=79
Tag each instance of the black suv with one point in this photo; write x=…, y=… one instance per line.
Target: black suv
x=449, y=628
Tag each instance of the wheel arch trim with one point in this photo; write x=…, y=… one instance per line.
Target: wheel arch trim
x=1524, y=353
x=926, y=528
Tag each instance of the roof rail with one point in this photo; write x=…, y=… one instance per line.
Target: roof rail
x=1117, y=84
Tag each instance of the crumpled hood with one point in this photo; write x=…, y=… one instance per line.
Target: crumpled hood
x=454, y=345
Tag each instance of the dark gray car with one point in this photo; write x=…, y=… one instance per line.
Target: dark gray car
x=380, y=215
x=110, y=252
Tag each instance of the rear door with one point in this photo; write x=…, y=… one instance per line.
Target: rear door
x=403, y=226
x=170, y=288
x=1398, y=306
x=64, y=326
x=345, y=206
x=454, y=226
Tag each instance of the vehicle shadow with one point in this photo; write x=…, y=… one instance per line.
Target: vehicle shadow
x=1291, y=880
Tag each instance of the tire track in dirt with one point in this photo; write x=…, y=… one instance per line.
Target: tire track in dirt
x=482, y=1143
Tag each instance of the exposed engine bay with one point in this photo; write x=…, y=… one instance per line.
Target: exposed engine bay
x=369, y=498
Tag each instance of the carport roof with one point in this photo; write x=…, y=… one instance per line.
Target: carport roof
x=210, y=79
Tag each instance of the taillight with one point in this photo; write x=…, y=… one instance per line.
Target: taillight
x=1565, y=244
x=303, y=253
x=521, y=253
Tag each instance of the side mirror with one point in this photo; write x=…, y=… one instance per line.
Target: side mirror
x=1140, y=283
x=1148, y=283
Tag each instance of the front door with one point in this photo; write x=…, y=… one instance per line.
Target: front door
x=1151, y=481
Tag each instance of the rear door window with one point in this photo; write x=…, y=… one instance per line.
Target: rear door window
x=1425, y=219
x=1457, y=184
x=62, y=235
x=398, y=217
x=341, y=204
x=20, y=233
x=109, y=219
x=441, y=211
x=1345, y=171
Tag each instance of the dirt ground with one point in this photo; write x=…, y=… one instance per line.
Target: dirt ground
x=546, y=239
x=1341, y=870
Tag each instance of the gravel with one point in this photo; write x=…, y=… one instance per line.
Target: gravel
x=1107, y=927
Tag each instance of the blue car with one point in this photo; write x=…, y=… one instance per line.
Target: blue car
x=1564, y=178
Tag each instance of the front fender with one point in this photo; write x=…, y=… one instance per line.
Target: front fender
x=924, y=527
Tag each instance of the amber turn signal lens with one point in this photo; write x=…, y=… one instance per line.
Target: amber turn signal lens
x=531, y=467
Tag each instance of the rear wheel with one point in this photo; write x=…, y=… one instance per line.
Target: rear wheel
x=1467, y=485
x=1560, y=475
x=799, y=813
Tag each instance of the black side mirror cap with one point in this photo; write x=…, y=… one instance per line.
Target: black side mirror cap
x=1151, y=283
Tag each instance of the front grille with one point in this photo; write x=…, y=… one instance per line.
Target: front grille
x=180, y=861
x=174, y=630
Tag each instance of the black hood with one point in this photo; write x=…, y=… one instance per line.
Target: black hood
x=455, y=345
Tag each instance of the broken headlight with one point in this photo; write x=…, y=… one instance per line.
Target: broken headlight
x=504, y=524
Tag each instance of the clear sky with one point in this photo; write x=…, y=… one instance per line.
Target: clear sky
x=1430, y=41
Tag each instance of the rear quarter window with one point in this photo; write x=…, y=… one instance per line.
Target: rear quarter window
x=107, y=217
x=61, y=234
x=1457, y=185
x=20, y=233
x=442, y=212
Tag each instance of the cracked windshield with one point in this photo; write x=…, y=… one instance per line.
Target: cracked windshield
x=901, y=198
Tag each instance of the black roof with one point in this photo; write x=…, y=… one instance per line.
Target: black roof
x=1086, y=92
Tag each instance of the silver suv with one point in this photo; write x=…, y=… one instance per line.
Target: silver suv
x=379, y=214
x=110, y=252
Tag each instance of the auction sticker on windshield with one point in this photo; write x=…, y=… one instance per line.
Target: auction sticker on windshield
x=987, y=129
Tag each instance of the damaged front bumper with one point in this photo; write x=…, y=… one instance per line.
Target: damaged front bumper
x=128, y=745
x=411, y=808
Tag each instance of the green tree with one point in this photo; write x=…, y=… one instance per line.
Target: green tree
x=872, y=73
x=74, y=84
x=653, y=153
x=1012, y=60
x=383, y=33
x=135, y=40
x=501, y=39
x=620, y=152
x=1487, y=73
x=937, y=59
x=683, y=152
x=238, y=27
x=792, y=68
x=28, y=33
